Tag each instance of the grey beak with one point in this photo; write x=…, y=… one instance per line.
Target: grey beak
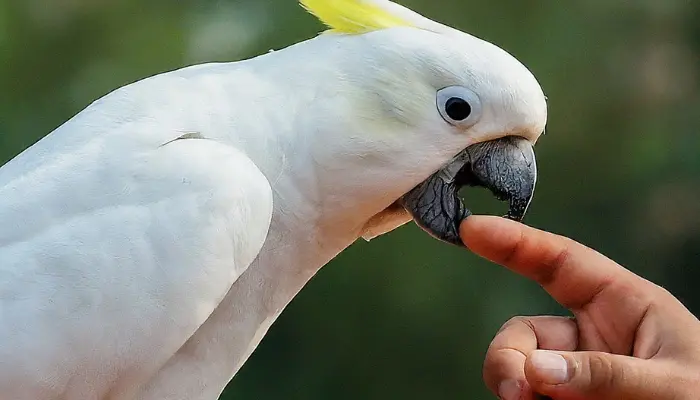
x=505, y=166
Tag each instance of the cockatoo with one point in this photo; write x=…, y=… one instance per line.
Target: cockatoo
x=148, y=243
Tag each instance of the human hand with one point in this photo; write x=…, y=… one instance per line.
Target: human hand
x=630, y=339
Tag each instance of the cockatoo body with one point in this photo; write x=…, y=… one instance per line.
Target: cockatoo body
x=147, y=244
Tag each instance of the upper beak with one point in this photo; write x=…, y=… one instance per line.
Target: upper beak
x=505, y=166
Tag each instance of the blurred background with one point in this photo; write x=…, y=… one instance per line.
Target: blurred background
x=405, y=316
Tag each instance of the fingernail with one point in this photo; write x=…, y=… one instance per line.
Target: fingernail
x=509, y=390
x=551, y=368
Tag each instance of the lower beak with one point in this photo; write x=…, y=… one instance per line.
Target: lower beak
x=505, y=166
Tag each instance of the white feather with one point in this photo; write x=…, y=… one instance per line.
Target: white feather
x=112, y=256
x=131, y=264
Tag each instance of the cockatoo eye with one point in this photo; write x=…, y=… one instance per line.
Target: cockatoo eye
x=457, y=109
x=459, y=106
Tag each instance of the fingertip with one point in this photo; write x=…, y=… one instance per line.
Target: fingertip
x=489, y=236
x=503, y=365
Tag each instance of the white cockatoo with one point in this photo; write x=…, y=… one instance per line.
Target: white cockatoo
x=147, y=244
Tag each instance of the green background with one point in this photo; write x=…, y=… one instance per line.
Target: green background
x=405, y=316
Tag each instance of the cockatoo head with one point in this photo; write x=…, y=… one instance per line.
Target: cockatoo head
x=432, y=109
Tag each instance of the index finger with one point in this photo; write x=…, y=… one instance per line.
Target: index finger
x=570, y=272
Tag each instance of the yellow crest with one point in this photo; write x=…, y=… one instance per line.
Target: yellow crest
x=352, y=16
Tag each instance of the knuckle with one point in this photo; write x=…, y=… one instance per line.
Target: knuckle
x=490, y=369
x=516, y=320
x=558, y=260
x=493, y=364
x=515, y=249
x=513, y=321
x=500, y=364
x=601, y=373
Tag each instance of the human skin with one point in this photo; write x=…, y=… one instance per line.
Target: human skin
x=628, y=339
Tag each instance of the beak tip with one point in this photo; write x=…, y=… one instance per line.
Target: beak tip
x=517, y=210
x=516, y=218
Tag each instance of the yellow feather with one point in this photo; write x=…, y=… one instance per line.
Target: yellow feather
x=352, y=16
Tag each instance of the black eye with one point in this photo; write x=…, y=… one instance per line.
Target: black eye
x=457, y=109
x=459, y=106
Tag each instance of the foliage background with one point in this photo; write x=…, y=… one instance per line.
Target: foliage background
x=405, y=316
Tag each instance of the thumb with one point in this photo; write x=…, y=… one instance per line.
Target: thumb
x=595, y=375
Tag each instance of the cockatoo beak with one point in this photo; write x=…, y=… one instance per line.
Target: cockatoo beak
x=505, y=166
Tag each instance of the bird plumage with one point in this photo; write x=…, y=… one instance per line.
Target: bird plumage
x=101, y=288
x=147, y=244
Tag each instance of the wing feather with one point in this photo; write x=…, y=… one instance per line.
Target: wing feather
x=112, y=255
